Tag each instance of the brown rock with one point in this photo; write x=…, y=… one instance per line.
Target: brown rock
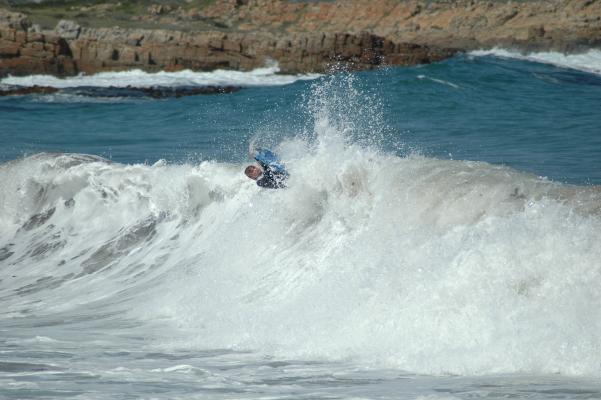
x=37, y=51
x=9, y=49
x=71, y=49
x=20, y=36
x=471, y=23
x=232, y=45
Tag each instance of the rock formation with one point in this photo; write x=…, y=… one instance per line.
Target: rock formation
x=301, y=35
x=564, y=25
x=70, y=49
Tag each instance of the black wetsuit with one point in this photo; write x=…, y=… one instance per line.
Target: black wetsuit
x=272, y=179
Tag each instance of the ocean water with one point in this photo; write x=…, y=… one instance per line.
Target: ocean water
x=439, y=237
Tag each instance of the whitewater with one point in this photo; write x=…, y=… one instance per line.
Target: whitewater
x=266, y=76
x=382, y=271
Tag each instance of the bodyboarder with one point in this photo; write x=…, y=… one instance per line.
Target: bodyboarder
x=270, y=172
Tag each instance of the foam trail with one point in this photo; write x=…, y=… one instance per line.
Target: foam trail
x=267, y=76
x=441, y=81
x=589, y=61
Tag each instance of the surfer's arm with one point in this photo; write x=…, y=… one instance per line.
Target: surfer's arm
x=272, y=180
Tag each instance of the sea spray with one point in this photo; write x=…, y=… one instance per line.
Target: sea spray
x=426, y=265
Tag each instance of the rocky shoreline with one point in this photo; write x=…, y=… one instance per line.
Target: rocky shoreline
x=70, y=49
x=301, y=36
x=531, y=25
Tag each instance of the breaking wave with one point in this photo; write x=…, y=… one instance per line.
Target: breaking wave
x=427, y=265
x=268, y=76
x=589, y=61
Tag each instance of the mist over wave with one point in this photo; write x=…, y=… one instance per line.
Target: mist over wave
x=589, y=61
x=268, y=76
x=427, y=265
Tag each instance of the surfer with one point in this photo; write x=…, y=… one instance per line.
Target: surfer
x=269, y=173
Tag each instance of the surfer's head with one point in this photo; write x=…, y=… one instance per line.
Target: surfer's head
x=253, y=172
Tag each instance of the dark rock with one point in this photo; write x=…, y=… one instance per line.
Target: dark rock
x=163, y=92
x=22, y=91
x=158, y=92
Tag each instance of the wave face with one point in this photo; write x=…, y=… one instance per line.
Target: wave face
x=589, y=61
x=267, y=76
x=426, y=265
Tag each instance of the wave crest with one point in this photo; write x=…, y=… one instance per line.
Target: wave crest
x=589, y=61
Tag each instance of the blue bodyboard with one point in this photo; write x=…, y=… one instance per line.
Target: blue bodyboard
x=269, y=159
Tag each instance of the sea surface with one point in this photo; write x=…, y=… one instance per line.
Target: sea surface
x=439, y=238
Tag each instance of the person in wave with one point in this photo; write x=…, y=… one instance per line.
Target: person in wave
x=270, y=172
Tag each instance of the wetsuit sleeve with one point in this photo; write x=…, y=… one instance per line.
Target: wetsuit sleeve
x=271, y=180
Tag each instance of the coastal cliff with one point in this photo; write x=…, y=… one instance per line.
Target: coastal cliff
x=70, y=49
x=562, y=25
x=301, y=36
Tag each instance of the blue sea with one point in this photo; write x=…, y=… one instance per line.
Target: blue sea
x=439, y=237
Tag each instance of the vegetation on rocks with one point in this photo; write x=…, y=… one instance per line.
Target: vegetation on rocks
x=182, y=15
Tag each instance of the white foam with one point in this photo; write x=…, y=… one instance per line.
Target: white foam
x=426, y=265
x=589, y=61
x=70, y=98
x=441, y=81
x=268, y=76
x=185, y=368
x=421, y=264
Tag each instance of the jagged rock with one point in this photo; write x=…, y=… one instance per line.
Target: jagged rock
x=463, y=23
x=67, y=29
x=301, y=36
x=70, y=49
x=35, y=28
x=13, y=20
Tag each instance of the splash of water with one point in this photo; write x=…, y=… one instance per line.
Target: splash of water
x=416, y=263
